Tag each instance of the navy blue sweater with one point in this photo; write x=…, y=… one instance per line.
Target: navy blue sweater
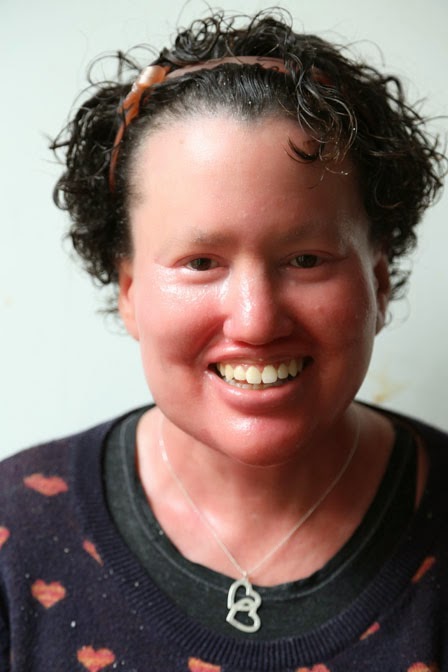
x=74, y=598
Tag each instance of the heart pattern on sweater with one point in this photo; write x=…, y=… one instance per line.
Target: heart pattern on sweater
x=48, y=594
x=315, y=668
x=370, y=631
x=4, y=535
x=46, y=485
x=95, y=660
x=426, y=565
x=197, y=665
x=90, y=548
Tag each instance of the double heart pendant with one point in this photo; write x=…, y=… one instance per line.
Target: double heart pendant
x=242, y=603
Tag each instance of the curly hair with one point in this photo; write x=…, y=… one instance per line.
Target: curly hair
x=354, y=109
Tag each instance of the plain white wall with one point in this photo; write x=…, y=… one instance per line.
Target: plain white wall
x=64, y=367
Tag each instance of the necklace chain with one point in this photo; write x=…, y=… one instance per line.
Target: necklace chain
x=243, y=601
x=302, y=520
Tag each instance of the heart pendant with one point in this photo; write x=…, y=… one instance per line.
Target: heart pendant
x=247, y=605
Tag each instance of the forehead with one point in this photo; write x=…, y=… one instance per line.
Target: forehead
x=208, y=170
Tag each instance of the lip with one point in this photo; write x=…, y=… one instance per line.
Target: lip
x=250, y=400
x=257, y=356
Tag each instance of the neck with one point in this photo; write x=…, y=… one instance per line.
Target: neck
x=251, y=508
x=221, y=482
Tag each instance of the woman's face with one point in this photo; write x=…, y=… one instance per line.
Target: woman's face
x=249, y=266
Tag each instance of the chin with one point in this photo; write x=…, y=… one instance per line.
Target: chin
x=259, y=443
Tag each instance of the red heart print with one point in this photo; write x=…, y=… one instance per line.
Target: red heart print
x=48, y=594
x=196, y=665
x=370, y=631
x=95, y=660
x=4, y=535
x=46, y=485
x=90, y=548
x=424, y=567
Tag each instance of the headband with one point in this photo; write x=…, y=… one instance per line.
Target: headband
x=155, y=74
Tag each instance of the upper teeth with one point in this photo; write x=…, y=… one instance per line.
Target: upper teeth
x=255, y=375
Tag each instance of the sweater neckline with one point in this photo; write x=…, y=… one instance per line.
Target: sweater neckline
x=170, y=623
x=290, y=608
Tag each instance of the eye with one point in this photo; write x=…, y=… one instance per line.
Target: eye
x=201, y=264
x=305, y=261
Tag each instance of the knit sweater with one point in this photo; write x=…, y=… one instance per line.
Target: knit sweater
x=74, y=598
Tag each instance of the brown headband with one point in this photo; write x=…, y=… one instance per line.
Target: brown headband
x=155, y=74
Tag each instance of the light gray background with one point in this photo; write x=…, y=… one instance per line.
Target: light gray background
x=64, y=367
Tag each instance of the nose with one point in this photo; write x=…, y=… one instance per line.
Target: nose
x=255, y=310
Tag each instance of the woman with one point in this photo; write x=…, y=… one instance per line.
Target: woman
x=250, y=197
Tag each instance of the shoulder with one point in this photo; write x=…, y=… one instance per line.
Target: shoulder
x=48, y=493
x=434, y=438
x=49, y=468
x=32, y=466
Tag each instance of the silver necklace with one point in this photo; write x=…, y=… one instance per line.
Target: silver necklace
x=242, y=598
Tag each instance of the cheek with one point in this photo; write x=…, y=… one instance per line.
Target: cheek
x=174, y=320
x=344, y=312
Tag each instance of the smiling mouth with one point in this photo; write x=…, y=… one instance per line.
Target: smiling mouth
x=260, y=376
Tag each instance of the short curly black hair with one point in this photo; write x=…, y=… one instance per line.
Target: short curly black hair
x=352, y=108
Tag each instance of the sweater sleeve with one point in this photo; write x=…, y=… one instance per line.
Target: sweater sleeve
x=4, y=640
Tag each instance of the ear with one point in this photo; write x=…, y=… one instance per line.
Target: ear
x=126, y=302
x=382, y=286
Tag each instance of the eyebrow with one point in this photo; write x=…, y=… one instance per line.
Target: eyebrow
x=306, y=229
x=210, y=238
x=217, y=238
x=296, y=233
x=197, y=238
